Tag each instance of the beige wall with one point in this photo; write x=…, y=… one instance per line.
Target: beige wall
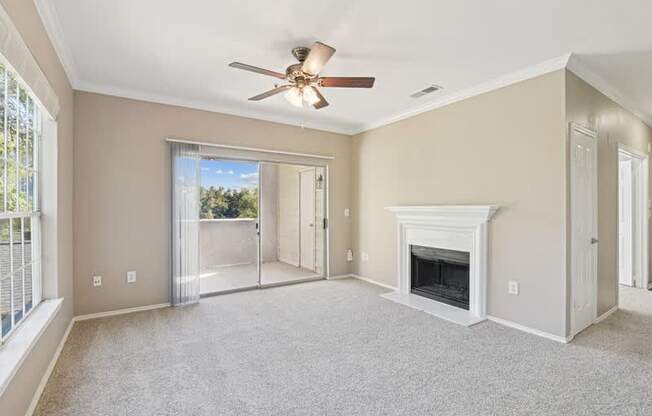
x=122, y=194
x=19, y=393
x=588, y=107
x=505, y=147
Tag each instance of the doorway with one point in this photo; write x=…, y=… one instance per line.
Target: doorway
x=632, y=218
x=228, y=225
x=261, y=224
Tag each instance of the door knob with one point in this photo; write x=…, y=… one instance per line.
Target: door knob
x=594, y=240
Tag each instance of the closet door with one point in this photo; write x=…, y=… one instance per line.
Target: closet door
x=307, y=218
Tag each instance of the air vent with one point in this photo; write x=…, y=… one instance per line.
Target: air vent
x=428, y=90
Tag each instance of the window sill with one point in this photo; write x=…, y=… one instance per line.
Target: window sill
x=20, y=344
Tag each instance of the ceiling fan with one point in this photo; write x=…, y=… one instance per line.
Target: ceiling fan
x=303, y=78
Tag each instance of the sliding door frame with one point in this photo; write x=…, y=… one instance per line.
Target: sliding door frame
x=256, y=155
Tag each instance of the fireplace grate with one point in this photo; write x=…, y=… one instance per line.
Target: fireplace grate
x=441, y=275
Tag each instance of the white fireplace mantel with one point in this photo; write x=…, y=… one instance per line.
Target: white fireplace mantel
x=453, y=227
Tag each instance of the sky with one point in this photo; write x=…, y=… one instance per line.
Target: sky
x=229, y=174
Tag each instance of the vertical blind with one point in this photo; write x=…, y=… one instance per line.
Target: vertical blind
x=20, y=136
x=185, y=223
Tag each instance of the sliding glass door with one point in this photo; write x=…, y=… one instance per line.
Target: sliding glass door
x=228, y=226
x=261, y=224
x=292, y=223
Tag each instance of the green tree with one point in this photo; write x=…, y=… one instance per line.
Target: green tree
x=228, y=203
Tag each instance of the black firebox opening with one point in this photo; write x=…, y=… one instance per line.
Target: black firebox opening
x=442, y=275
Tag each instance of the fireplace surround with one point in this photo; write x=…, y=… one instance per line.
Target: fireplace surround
x=444, y=229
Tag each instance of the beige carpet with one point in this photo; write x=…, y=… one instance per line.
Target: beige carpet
x=337, y=348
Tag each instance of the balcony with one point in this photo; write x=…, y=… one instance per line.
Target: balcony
x=229, y=256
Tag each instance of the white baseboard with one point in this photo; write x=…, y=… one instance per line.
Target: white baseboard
x=605, y=315
x=339, y=276
x=48, y=371
x=374, y=282
x=288, y=261
x=557, y=338
x=121, y=311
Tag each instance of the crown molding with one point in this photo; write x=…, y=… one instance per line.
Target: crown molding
x=50, y=20
x=579, y=68
x=210, y=107
x=512, y=78
x=503, y=81
x=46, y=10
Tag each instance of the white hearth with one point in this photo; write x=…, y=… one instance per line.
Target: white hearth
x=451, y=227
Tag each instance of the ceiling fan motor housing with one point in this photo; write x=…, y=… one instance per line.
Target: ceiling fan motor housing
x=295, y=75
x=301, y=53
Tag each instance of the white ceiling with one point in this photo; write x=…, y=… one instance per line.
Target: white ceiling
x=177, y=52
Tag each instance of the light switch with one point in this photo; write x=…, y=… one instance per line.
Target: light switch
x=347, y=212
x=513, y=287
x=131, y=277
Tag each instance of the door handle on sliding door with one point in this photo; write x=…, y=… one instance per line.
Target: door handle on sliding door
x=594, y=240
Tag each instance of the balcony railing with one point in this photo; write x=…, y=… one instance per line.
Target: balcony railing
x=225, y=242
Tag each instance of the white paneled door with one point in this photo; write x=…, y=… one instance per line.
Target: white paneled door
x=584, y=228
x=307, y=215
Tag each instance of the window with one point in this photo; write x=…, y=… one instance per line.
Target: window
x=20, y=266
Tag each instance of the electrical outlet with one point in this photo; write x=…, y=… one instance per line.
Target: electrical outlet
x=513, y=287
x=349, y=255
x=97, y=281
x=131, y=277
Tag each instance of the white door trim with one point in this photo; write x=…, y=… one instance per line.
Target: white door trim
x=575, y=328
x=626, y=220
x=642, y=190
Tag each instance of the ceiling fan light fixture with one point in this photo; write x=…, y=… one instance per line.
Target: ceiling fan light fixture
x=294, y=97
x=310, y=95
x=302, y=79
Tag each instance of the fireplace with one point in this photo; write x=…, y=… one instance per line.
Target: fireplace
x=440, y=274
x=442, y=260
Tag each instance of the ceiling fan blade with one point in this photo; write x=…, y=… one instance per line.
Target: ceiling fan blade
x=269, y=93
x=317, y=58
x=322, y=101
x=347, y=82
x=257, y=70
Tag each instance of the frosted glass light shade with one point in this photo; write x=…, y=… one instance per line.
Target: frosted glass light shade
x=310, y=95
x=294, y=96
